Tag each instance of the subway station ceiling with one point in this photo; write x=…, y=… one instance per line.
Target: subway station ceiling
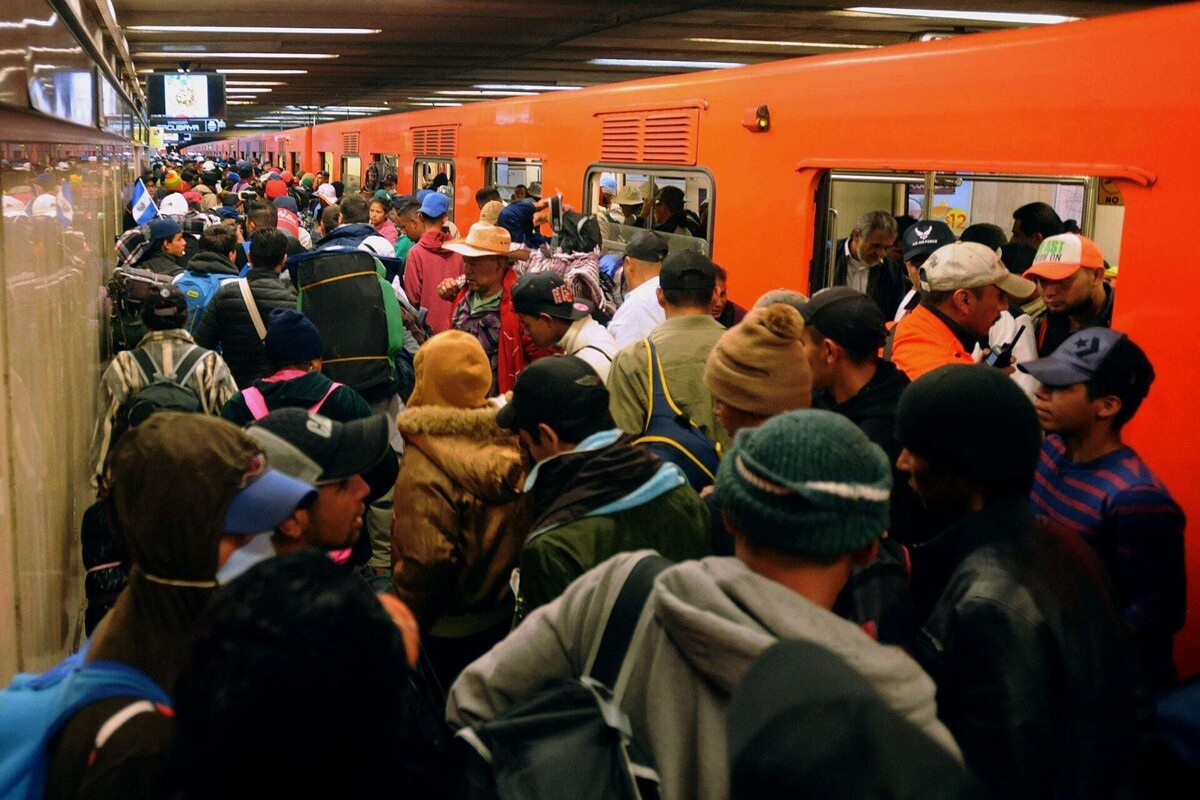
x=287, y=58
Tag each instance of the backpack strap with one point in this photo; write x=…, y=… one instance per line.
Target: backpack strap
x=187, y=365
x=597, y=349
x=146, y=365
x=623, y=619
x=660, y=403
x=333, y=388
x=255, y=402
x=252, y=307
x=118, y=720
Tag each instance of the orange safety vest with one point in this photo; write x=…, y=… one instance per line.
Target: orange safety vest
x=923, y=343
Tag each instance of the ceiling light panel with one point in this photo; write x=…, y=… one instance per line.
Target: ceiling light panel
x=240, y=71
x=201, y=55
x=191, y=29
x=526, y=87
x=662, y=63
x=767, y=43
x=1010, y=18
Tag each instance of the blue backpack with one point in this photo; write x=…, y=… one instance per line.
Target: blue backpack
x=35, y=707
x=199, y=288
x=672, y=435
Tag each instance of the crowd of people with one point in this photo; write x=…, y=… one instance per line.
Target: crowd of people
x=364, y=481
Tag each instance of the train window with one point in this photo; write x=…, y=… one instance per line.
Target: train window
x=960, y=199
x=352, y=172
x=506, y=174
x=686, y=226
x=435, y=173
x=327, y=163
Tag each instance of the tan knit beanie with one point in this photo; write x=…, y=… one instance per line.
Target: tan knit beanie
x=759, y=365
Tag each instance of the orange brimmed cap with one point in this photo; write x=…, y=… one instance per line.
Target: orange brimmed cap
x=1061, y=256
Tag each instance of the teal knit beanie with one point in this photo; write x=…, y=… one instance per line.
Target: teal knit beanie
x=808, y=483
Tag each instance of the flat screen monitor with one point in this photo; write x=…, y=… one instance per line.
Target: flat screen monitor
x=186, y=95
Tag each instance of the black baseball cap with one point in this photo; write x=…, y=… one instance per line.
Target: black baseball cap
x=647, y=245
x=554, y=389
x=546, y=293
x=924, y=236
x=849, y=317
x=340, y=449
x=687, y=269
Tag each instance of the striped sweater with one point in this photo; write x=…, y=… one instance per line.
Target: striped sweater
x=210, y=380
x=1127, y=514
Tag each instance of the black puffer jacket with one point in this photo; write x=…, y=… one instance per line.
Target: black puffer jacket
x=1030, y=656
x=164, y=264
x=227, y=324
x=212, y=263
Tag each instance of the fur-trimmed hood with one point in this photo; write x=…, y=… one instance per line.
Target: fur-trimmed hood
x=469, y=447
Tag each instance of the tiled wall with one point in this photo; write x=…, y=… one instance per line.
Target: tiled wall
x=52, y=350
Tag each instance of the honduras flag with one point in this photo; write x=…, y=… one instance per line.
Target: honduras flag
x=144, y=208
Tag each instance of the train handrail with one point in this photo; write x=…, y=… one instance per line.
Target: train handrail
x=1009, y=169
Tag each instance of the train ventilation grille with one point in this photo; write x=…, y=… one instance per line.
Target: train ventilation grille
x=439, y=140
x=350, y=142
x=654, y=137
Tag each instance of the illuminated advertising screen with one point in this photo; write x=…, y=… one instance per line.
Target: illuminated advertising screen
x=186, y=95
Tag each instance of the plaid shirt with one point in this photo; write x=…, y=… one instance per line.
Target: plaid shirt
x=210, y=380
x=131, y=246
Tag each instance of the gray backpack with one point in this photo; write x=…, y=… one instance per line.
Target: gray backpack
x=570, y=741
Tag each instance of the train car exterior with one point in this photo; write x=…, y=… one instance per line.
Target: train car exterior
x=1108, y=106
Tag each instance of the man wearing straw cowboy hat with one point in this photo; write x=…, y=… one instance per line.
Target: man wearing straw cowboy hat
x=483, y=304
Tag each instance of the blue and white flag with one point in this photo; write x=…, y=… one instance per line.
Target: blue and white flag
x=144, y=208
x=66, y=203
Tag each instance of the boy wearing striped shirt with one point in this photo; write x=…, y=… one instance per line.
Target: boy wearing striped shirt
x=1090, y=481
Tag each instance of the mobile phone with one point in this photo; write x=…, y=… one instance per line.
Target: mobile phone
x=556, y=212
x=1002, y=355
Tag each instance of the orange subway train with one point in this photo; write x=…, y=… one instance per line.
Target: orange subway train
x=1098, y=118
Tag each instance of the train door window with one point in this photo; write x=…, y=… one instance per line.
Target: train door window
x=295, y=162
x=674, y=201
x=435, y=173
x=352, y=172
x=327, y=163
x=506, y=174
x=960, y=199
x=388, y=163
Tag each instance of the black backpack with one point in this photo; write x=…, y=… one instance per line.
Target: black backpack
x=160, y=392
x=570, y=741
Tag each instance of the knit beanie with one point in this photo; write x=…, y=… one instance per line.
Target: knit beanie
x=172, y=181
x=453, y=370
x=972, y=421
x=292, y=338
x=307, y=181
x=759, y=365
x=275, y=188
x=807, y=482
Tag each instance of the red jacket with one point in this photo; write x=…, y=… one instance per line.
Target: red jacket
x=427, y=265
x=515, y=350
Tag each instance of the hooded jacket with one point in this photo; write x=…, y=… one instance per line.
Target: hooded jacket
x=342, y=404
x=460, y=518
x=171, y=526
x=206, y=263
x=703, y=625
x=426, y=265
x=227, y=323
x=352, y=236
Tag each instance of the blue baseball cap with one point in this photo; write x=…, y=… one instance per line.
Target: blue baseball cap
x=266, y=499
x=434, y=205
x=1076, y=360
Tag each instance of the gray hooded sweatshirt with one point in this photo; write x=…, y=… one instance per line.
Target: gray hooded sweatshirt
x=704, y=624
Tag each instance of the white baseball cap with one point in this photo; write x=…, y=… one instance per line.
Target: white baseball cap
x=969, y=265
x=173, y=205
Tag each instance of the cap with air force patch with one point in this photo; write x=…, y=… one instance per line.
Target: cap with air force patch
x=925, y=236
